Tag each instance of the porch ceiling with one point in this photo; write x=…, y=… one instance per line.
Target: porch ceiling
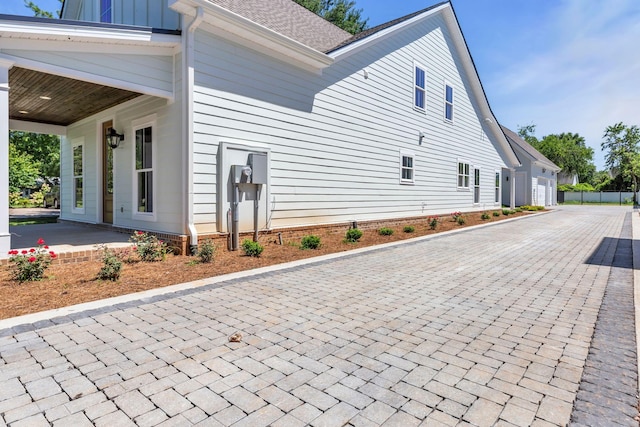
x=70, y=100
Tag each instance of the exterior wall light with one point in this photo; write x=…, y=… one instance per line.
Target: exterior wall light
x=114, y=138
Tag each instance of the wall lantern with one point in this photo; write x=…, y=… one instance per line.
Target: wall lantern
x=114, y=138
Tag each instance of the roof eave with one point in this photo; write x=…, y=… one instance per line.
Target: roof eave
x=243, y=31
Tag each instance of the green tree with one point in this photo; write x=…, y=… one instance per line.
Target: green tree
x=23, y=171
x=622, y=145
x=39, y=12
x=528, y=133
x=341, y=13
x=43, y=149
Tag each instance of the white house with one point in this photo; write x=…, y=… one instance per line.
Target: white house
x=390, y=123
x=536, y=180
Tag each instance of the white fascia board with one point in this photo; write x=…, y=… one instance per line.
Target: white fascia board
x=47, y=129
x=86, y=77
x=487, y=116
x=10, y=29
x=547, y=165
x=87, y=47
x=243, y=31
x=357, y=46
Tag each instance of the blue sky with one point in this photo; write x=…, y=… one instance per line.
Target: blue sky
x=563, y=65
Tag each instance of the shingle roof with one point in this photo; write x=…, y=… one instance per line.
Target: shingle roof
x=517, y=141
x=288, y=18
x=369, y=32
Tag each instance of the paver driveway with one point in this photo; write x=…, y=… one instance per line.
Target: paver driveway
x=489, y=326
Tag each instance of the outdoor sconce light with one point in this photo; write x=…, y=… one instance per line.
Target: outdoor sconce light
x=421, y=136
x=114, y=138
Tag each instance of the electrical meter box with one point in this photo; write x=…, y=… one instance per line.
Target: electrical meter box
x=259, y=170
x=241, y=174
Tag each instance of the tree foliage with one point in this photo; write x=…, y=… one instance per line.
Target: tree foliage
x=44, y=150
x=39, y=12
x=567, y=150
x=23, y=170
x=622, y=145
x=341, y=13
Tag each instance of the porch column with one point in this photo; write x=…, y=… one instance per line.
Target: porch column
x=512, y=199
x=5, y=236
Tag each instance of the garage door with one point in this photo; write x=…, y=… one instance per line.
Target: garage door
x=542, y=191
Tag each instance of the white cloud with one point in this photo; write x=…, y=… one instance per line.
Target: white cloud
x=585, y=78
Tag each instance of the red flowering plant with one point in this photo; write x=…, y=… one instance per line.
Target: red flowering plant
x=30, y=265
x=148, y=247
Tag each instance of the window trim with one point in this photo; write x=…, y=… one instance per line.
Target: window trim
x=415, y=86
x=467, y=175
x=412, y=156
x=477, y=179
x=447, y=103
x=74, y=209
x=498, y=187
x=136, y=125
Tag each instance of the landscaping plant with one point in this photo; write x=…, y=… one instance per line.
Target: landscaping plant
x=310, y=242
x=455, y=216
x=111, y=265
x=30, y=265
x=251, y=248
x=496, y=213
x=485, y=216
x=206, y=251
x=353, y=235
x=148, y=247
x=432, y=221
x=409, y=229
x=460, y=220
x=385, y=231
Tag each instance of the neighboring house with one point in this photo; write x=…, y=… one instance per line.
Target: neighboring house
x=390, y=123
x=536, y=180
x=568, y=178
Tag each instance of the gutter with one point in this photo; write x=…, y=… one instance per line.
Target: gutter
x=188, y=78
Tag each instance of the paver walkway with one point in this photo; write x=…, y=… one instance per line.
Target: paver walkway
x=485, y=327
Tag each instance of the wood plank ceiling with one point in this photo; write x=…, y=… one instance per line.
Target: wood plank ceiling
x=47, y=98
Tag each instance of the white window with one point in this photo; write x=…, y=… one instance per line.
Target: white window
x=106, y=11
x=77, y=150
x=463, y=175
x=407, y=168
x=497, y=198
x=144, y=170
x=476, y=185
x=420, y=87
x=448, y=102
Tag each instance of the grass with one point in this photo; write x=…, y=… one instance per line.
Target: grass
x=34, y=220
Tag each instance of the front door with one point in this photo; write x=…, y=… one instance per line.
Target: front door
x=107, y=176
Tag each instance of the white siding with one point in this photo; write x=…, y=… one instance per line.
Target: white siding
x=146, y=13
x=335, y=138
x=149, y=71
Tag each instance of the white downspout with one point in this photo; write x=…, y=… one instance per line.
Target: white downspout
x=187, y=120
x=512, y=202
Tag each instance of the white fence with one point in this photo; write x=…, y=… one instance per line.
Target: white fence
x=617, y=197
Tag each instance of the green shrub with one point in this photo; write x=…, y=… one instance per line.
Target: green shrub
x=310, y=242
x=484, y=216
x=460, y=220
x=506, y=212
x=148, y=247
x=251, y=248
x=206, y=251
x=455, y=216
x=30, y=265
x=111, y=265
x=517, y=210
x=496, y=213
x=385, y=231
x=432, y=222
x=353, y=235
x=409, y=229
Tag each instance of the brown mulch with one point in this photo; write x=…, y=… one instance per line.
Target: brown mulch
x=68, y=284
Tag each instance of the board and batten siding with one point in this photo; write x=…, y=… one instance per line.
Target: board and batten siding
x=155, y=72
x=336, y=139
x=146, y=13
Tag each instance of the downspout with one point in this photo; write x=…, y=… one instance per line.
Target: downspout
x=187, y=122
x=512, y=201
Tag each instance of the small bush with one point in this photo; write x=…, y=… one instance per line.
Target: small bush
x=516, y=210
x=353, y=235
x=506, y=212
x=206, y=251
x=251, y=248
x=485, y=216
x=409, y=229
x=496, y=213
x=455, y=216
x=30, y=265
x=385, y=231
x=148, y=247
x=111, y=265
x=461, y=220
x=432, y=222
x=310, y=242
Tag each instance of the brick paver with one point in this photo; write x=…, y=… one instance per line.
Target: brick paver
x=490, y=326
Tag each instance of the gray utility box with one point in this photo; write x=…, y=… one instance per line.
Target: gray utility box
x=241, y=174
x=259, y=168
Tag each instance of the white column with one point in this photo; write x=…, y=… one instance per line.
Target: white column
x=512, y=199
x=5, y=236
